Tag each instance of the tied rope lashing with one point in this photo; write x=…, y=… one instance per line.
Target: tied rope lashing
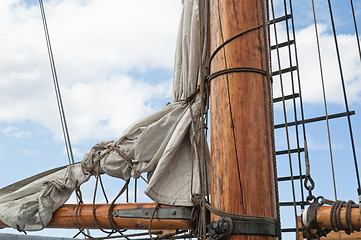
x=200, y=201
x=238, y=69
x=227, y=216
x=110, y=149
x=335, y=218
x=335, y=215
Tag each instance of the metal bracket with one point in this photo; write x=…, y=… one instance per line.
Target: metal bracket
x=217, y=229
x=310, y=222
x=311, y=215
x=220, y=227
x=255, y=228
x=161, y=213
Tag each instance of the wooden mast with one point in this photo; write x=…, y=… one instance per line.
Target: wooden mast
x=242, y=179
x=241, y=169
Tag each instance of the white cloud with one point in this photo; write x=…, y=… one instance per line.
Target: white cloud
x=310, y=70
x=105, y=108
x=14, y=132
x=96, y=43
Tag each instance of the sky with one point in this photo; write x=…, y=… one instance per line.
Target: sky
x=114, y=61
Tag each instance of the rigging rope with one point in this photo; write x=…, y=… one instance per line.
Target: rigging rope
x=285, y=119
x=345, y=98
x=290, y=59
x=57, y=89
x=324, y=98
x=356, y=31
x=266, y=42
x=198, y=199
x=203, y=109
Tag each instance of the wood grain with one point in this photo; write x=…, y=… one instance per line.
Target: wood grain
x=241, y=171
x=323, y=217
x=64, y=217
x=334, y=235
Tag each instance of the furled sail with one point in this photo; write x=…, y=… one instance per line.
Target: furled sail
x=161, y=145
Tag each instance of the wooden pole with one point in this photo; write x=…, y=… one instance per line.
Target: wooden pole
x=323, y=221
x=323, y=217
x=242, y=179
x=64, y=217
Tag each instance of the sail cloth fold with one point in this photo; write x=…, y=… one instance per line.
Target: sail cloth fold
x=161, y=145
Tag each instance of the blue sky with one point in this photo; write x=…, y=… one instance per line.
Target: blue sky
x=115, y=62
x=313, y=102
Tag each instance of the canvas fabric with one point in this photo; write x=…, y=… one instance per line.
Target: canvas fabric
x=162, y=145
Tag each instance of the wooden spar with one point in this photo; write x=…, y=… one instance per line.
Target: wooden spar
x=242, y=179
x=64, y=217
x=241, y=170
x=323, y=217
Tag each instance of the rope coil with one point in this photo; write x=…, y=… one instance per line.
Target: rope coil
x=335, y=218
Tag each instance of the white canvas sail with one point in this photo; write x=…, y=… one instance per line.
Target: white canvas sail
x=159, y=144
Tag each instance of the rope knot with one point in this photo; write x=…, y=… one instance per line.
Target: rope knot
x=191, y=98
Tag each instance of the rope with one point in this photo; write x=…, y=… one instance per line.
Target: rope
x=356, y=31
x=231, y=39
x=120, y=153
x=93, y=205
x=80, y=201
x=295, y=115
x=226, y=71
x=271, y=113
x=324, y=98
x=331, y=202
x=128, y=161
x=286, y=124
x=348, y=217
x=236, y=70
x=151, y=220
x=345, y=99
x=202, y=160
x=301, y=109
x=110, y=210
x=60, y=103
x=335, y=215
x=56, y=86
x=338, y=216
x=235, y=216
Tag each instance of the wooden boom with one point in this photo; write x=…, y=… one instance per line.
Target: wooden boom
x=242, y=177
x=64, y=217
x=323, y=217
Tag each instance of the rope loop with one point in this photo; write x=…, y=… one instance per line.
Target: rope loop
x=349, y=227
x=235, y=216
x=233, y=38
x=151, y=220
x=191, y=98
x=335, y=217
x=309, y=183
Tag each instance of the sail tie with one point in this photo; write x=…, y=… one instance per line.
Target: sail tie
x=113, y=148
